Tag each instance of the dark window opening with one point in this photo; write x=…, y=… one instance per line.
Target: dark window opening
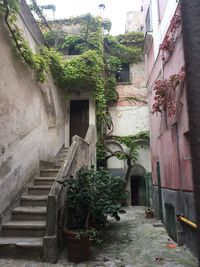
x=122, y=75
x=138, y=191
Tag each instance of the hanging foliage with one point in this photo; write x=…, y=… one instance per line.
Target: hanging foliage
x=93, y=69
x=165, y=93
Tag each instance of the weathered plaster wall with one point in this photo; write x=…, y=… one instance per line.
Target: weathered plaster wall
x=159, y=27
x=166, y=142
x=130, y=118
x=31, y=121
x=170, y=140
x=134, y=21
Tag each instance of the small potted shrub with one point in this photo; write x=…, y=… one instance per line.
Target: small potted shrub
x=78, y=209
x=91, y=197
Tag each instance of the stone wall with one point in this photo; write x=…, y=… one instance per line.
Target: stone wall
x=134, y=22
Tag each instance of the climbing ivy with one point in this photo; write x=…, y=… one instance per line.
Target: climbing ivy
x=13, y=6
x=131, y=39
x=93, y=69
x=124, y=53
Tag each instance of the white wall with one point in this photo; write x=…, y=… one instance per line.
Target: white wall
x=129, y=120
x=160, y=29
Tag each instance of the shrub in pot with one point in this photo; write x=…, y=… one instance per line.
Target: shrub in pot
x=91, y=197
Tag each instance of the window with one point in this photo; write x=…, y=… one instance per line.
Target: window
x=122, y=75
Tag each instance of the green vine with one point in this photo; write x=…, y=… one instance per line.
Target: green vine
x=125, y=53
x=131, y=142
x=92, y=69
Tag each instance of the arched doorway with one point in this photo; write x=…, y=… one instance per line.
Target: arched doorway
x=114, y=165
x=138, y=187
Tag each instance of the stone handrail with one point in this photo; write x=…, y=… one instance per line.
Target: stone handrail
x=81, y=152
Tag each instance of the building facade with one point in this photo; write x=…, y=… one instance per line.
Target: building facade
x=169, y=130
x=130, y=118
x=36, y=120
x=134, y=22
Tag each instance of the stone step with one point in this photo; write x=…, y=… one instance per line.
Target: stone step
x=33, y=200
x=58, y=164
x=49, y=172
x=21, y=247
x=62, y=155
x=44, y=181
x=24, y=229
x=39, y=189
x=61, y=160
x=29, y=214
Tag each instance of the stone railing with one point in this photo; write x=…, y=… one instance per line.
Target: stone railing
x=81, y=152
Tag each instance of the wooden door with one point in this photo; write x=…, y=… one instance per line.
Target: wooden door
x=79, y=118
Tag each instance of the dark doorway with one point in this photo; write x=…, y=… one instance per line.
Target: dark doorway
x=135, y=190
x=138, y=191
x=171, y=221
x=159, y=191
x=79, y=118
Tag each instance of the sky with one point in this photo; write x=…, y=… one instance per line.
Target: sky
x=115, y=10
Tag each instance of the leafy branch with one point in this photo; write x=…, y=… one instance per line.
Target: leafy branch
x=131, y=142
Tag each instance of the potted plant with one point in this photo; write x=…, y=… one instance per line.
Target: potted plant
x=91, y=197
x=78, y=208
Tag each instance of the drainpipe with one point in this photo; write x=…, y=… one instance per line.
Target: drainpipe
x=180, y=171
x=179, y=230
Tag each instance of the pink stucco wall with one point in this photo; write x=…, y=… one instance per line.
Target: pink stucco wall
x=170, y=142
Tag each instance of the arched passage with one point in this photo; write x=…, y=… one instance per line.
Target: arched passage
x=115, y=165
x=138, y=188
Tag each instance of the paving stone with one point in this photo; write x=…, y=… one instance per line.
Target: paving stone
x=110, y=264
x=131, y=242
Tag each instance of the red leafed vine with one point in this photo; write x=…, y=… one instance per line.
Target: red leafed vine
x=168, y=44
x=165, y=99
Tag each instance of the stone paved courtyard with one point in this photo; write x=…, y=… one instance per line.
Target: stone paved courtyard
x=132, y=242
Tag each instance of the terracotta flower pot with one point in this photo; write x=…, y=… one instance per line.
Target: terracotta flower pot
x=78, y=248
x=149, y=213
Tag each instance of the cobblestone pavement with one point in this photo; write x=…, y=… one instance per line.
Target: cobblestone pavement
x=132, y=242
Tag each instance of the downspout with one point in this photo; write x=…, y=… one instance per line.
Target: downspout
x=179, y=229
x=180, y=171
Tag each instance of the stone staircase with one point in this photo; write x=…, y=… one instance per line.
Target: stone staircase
x=22, y=236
